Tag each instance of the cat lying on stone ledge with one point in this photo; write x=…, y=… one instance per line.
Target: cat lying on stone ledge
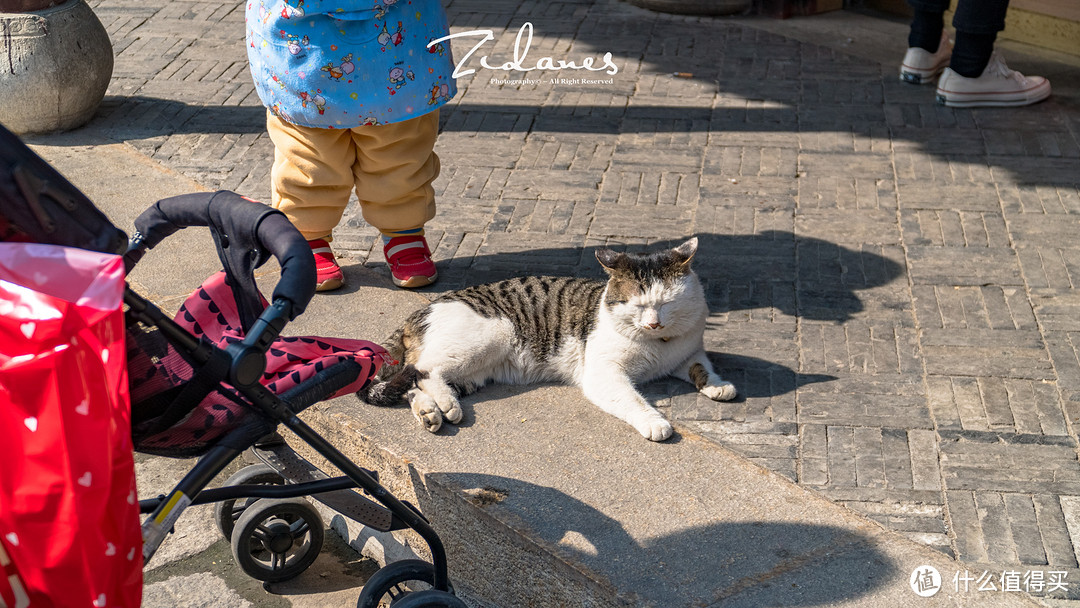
x=645, y=322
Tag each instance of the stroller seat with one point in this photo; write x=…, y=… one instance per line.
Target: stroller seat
x=159, y=373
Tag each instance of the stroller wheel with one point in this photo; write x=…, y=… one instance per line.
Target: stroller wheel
x=429, y=598
x=390, y=585
x=277, y=539
x=227, y=512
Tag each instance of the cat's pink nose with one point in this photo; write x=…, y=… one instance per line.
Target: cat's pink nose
x=653, y=325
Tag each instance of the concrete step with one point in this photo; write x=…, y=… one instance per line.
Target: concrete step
x=542, y=500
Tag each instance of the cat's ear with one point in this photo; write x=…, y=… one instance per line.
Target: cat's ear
x=610, y=260
x=685, y=252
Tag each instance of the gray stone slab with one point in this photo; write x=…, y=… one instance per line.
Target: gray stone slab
x=124, y=183
x=964, y=266
x=877, y=227
x=859, y=165
x=1011, y=354
x=1036, y=229
x=1056, y=309
x=1032, y=170
x=1039, y=199
x=1055, y=531
x=955, y=228
x=844, y=192
x=193, y=591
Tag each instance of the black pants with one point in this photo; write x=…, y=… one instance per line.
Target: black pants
x=972, y=16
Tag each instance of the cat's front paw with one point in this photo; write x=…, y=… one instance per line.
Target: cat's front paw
x=426, y=411
x=442, y=397
x=722, y=391
x=451, y=409
x=654, y=427
x=454, y=415
x=430, y=419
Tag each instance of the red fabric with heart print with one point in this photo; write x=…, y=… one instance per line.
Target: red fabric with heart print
x=69, y=518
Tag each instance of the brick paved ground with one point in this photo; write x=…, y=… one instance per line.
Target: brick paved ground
x=893, y=283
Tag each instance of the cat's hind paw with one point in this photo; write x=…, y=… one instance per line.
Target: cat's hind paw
x=723, y=391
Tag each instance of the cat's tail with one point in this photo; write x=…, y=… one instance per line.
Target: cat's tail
x=391, y=389
x=393, y=380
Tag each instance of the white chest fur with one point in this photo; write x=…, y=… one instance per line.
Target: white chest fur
x=641, y=355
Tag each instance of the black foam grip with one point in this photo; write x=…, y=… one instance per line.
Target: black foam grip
x=247, y=226
x=169, y=215
x=284, y=241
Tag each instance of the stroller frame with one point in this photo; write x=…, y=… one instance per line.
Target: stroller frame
x=46, y=208
x=244, y=362
x=166, y=509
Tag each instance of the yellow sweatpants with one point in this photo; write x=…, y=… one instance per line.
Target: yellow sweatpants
x=391, y=166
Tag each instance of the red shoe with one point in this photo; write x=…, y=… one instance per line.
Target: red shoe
x=410, y=261
x=328, y=276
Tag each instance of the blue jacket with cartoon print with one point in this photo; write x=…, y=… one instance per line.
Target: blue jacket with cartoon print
x=341, y=64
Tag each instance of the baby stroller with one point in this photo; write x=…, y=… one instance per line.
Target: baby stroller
x=197, y=393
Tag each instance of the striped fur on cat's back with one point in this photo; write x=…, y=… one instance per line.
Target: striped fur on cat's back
x=646, y=321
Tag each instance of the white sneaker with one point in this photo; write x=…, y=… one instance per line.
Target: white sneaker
x=997, y=86
x=921, y=66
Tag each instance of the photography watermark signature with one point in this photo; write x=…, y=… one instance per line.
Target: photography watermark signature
x=520, y=55
x=554, y=81
x=926, y=581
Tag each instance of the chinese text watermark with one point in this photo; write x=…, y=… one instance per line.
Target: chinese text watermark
x=926, y=581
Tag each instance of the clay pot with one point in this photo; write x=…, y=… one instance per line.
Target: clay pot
x=26, y=6
x=55, y=65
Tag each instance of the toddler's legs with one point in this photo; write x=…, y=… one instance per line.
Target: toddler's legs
x=395, y=166
x=311, y=181
x=312, y=175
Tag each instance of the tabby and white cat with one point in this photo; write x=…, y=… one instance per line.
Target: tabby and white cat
x=645, y=322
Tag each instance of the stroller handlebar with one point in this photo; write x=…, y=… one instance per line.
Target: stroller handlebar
x=291, y=250
x=245, y=232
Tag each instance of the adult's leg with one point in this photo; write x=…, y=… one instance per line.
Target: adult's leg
x=927, y=23
x=977, y=76
x=977, y=24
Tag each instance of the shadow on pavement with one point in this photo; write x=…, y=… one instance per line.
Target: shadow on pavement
x=798, y=276
x=755, y=378
x=744, y=563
